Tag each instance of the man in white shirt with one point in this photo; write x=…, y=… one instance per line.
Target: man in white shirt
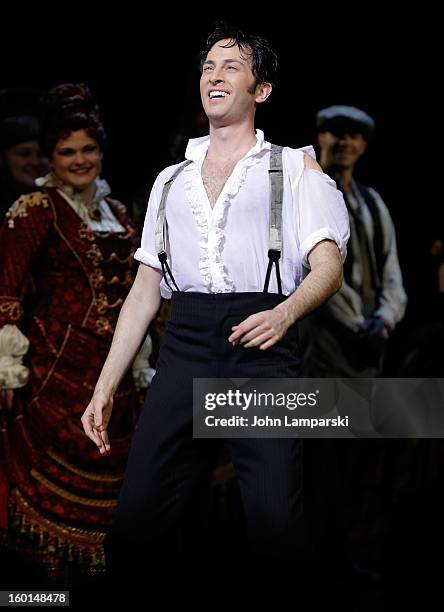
x=229, y=225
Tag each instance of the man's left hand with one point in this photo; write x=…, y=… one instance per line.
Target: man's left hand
x=262, y=329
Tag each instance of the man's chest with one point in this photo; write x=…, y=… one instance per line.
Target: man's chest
x=214, y=176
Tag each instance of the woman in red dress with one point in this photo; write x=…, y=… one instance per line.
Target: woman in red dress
x=66, y=253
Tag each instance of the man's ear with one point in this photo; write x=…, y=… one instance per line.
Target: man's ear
x=263, y=91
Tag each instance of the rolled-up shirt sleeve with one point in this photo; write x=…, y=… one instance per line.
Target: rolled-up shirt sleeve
x=322, y=214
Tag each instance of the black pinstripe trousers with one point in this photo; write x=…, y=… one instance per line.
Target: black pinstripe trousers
x=167, y=466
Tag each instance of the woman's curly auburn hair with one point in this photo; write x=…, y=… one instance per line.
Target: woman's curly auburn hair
x=67, y=108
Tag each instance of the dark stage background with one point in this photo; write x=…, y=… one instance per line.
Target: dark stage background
x=142, y=66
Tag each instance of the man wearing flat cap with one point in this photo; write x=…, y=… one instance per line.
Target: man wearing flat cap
x=352, y=328
x=347, y=337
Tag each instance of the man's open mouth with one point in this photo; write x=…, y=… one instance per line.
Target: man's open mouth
x=218, y=93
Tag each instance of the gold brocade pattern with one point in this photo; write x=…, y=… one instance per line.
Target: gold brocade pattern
x=94, y=255
x=85, y=233
x=20, y=207
x=85, y=501
x=81, y=535
x=83, y=473
x=56, y=545
x=12, y=308
x=103, y=326
x=41, y=327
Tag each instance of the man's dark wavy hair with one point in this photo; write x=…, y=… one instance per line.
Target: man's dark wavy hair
x=263, y=59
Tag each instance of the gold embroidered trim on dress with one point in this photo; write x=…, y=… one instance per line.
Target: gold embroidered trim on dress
x=94, y=255
x=83, y=536
x=20, y=206
x=88, y=475
x=56, y=360
x=113, y=233
x=103, y=305
x=41, y=327
x=96, y=278
x=76, y=255
x=85, y=233
x=85, y=501
x=104, y=326
x=115, y=257
x=12, y=308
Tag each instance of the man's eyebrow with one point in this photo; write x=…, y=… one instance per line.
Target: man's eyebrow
x=226, y=61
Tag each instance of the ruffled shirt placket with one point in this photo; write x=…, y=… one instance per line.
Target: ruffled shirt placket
x=210, y=221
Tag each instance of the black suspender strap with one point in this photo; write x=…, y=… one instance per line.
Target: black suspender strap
x=273, y=257
x=166, y=268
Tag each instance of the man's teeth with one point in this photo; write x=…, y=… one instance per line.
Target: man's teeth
x=218, y=94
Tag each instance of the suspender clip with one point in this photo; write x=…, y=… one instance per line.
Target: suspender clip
x=274, y=255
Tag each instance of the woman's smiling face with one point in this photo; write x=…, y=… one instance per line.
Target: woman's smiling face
x=77, y=160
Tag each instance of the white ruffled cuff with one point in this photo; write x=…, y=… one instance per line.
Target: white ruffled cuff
x=13, y=345
x=143, y=377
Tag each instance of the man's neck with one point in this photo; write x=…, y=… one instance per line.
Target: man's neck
x=231, y=141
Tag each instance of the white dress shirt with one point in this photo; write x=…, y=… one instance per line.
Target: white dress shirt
x=224, y=249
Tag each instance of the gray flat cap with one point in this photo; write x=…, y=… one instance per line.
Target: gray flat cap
x=326, y=115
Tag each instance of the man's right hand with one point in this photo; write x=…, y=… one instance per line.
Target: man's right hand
x=95, y=420
x=137, y=312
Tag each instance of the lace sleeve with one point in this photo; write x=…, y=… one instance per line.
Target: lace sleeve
x=13, y=345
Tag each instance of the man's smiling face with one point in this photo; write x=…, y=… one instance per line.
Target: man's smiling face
x=227, y=84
